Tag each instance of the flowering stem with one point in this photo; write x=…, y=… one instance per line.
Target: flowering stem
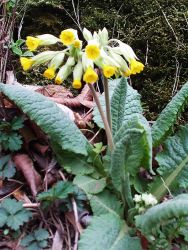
x=106, y=125
x=107, y=101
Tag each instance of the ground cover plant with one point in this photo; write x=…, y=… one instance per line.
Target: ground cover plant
x=101, y=177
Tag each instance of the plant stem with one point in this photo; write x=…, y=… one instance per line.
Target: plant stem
x=106, y=125
x=107, y=101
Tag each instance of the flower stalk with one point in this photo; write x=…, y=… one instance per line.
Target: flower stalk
x=105, y=121
x=107, y=101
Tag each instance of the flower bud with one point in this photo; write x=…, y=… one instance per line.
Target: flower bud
x=87, y=34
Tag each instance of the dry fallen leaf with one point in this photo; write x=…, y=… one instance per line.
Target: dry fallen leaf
x=25, y=164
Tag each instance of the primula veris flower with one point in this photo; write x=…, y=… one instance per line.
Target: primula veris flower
x=92, y=50
x=108, y=71
x=127, y=73
x=90, y=76
x=86, y=62
x=49, y=73
x=65, y=71
x=32, y=43
x=77, y=74
x=77, y=44
x=77, y=84
x=44, y=57
x=68, y=36
x=135, y=66
x=56, y=61
x=26, y=63
x=103, y=36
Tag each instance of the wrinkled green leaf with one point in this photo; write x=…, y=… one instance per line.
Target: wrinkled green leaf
x=107, y=232
x=166, y=120
x=105, y=202
x=52, y=120
x=118, y=100
x=90, y=185
x=162, y=213
x=173, y=164
x=132, y=103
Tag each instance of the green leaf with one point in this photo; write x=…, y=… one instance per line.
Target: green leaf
x=17, y=123
x=3, y=217
x=36, y=240
x=60, y=190
x=16, y=50
x=118, y=100
x=28, y=53
x=166, y=120
x=47, y=115
x=16, y=214
x=105, y=202
x=173, y=164
x=162, y=213
x=132, y=103
x=90, y=185
x=14, y=142
x=132, y=149
x=7, y=168
x=41, y=234
x=107, y=232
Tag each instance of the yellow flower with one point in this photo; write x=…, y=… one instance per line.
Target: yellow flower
x=32, y=43
x=136, y=67
x=77, y=44
x=108, y=71
x=26, y=63
x=58, y=80
x=67, y=37
x=90, y=76
x=77, y=84
x=127, y=73
x=49, y=73
x=92, y=51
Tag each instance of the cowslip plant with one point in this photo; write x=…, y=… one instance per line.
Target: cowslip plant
x=109, y=180
x=120, y=198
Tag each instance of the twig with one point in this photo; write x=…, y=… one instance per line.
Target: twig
x=75, y=210
x=147, y=50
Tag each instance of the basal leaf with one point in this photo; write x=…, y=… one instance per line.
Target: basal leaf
x=132, y=150
x=90, y=185
x=166, y=120
x=118, y=100
x=107, y=232
x=173, y=164
x=162, y=213
x=52, y=120
x=132, y=105
x=105, y=202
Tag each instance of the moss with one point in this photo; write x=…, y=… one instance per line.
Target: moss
x=157, y=30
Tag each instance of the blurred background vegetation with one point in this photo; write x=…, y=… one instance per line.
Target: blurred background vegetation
x=157, y=31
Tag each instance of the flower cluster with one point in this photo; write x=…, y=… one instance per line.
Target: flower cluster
x=112, y=57
x=144, y=201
